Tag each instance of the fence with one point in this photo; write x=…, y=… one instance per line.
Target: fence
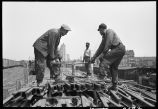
x=20, y=78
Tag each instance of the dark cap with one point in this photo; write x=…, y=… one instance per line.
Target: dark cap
x=87, y=43
x=102, y=26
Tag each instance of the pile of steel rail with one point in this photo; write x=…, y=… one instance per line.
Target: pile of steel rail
x=82, y=92
x=77, y=91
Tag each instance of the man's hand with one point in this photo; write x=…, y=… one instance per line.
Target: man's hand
x=60, y=58
x=52, y=62
x=55, y=62
x=82, y=60
x=92, y=60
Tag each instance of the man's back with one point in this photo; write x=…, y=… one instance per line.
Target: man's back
x=42, y=43
x=114, y=39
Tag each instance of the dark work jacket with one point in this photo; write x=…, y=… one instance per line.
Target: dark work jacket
x=109, y=40
x=47, y=44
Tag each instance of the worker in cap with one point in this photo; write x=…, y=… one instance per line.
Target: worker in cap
x=102, y=26
x=46, y=48
x=86, y=59
x=110, y=54
x=87, y=43
x=65, y=27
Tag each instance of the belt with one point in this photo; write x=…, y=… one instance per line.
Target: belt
x=114, y=46
x=87, y=56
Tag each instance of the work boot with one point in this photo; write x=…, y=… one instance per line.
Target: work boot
x=113, y=87
x=94, y=78
x=38, y=82
x=57, y=79
x=88, y=76
x=104, y=78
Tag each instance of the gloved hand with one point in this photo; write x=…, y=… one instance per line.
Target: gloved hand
x=92, y=60
x=52, y=62
x=101, y=57
x=60, y=59
x=55, y=62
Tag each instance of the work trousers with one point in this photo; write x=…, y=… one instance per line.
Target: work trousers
x=40, y=66
x=110, y=61
x=87, y=65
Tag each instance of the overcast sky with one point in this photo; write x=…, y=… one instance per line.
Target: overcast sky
x=24, y=22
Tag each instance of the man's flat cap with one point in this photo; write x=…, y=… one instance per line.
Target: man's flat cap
x=102, y=26
x=87, y=43
x=65, y=27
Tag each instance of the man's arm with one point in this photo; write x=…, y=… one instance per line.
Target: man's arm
x=58, y=55
x=83, y=56
x=90, y=54
x=51, y=44
x=100, y=49
x=109, y=37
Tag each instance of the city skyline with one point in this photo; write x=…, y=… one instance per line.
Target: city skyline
x=24, y=22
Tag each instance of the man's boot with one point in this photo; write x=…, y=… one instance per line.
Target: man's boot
x=88, y=75
x=39, y=82
x=58, y=79
x=113, y=87
x=104, y=78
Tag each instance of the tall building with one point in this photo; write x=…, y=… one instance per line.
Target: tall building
x=145, y=61
x=62, y=51
x=67, y=57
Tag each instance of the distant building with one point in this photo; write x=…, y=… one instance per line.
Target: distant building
x=62, y=51
x=67, y=57
x=145, y=61
x=128, y=59
x=81, y=58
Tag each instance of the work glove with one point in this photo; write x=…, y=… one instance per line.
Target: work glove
x=52, y=62
x=60, y=58
x=92, y=60
x=101, y=57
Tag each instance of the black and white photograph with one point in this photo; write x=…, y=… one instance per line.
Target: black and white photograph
x=98, y=54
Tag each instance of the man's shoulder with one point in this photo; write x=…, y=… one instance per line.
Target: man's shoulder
x=89, y=49
x=109, y=30
x=53, y=30
x=110, y=33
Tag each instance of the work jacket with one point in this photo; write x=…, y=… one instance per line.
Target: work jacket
x=47, y=44
x=109, y=41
